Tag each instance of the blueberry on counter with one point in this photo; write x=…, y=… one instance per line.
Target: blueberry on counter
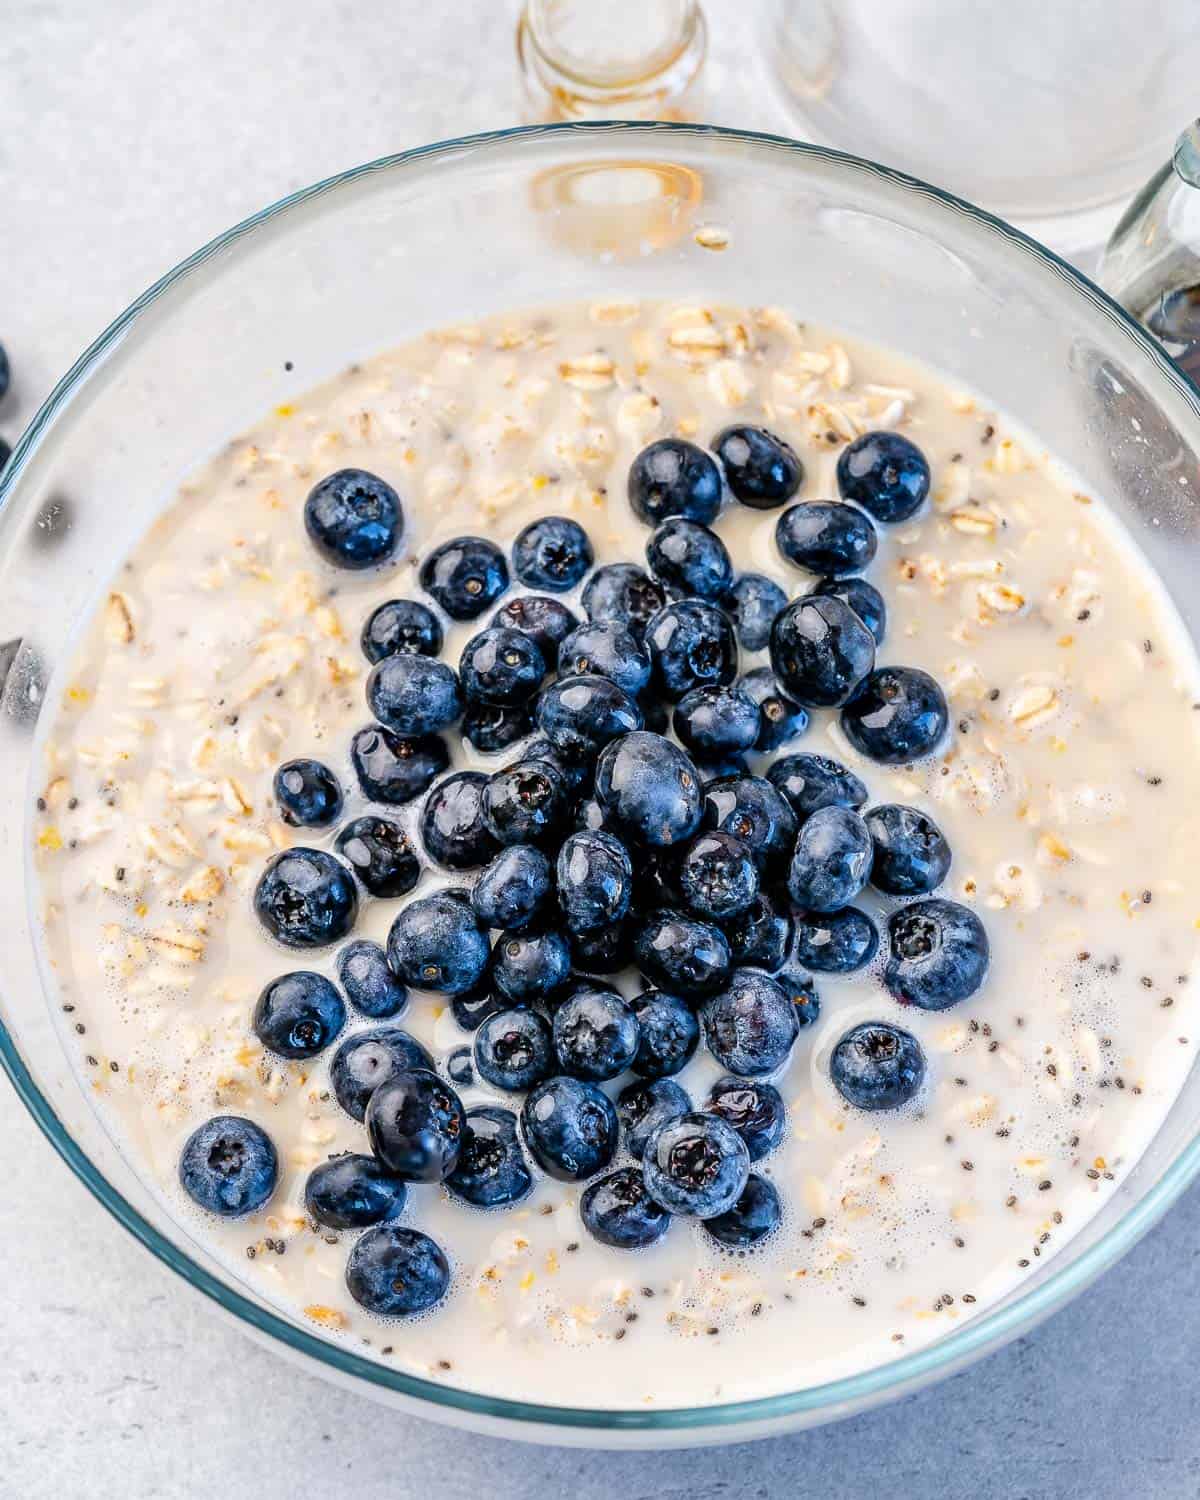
x=570, y=1127
x=761, y=936
x=835, y=942
x=750, y=1025
x=415, y=1123
x=754, y=1216
x=690, y=559
x=514, y=888
x=395, y=1272
x=500, y=665
x=822, y=537
x=393, y=769
x=526, y=803
x=898, y=715
x=595, y=881
x=513, y=1050
x=625, y=594
x=863, y=598
x=691, y=643
x=298, y=1015
x=552, y=553
x=453, y=828
x=820, y=650
x=649, y=789
x=751, y=809
x=876, y=1066
x=370, y=986
x=643, y=1107
x=754, y=600
x=354, y=519
x=912, y=857
x=596, y=1035
x=718, y=877
x=465, y=576
x=762, y=470
x=495, y=726
x=715, y=721
x=672, y=477
x=305, y=898
x=618, y=1211
x=401, y=627
x=381, y=854
x=308, y=794
x=228, y=1166
x=780, y=718
x=530, y=964
x=810, y=782
x=491, y=1170
x=885, y=474
x=605, y=648
x=831, y=861
x=580, y=715
x=368, y=1058
x=460, y=1067
x=436, y=943
x=939, y=954
x=754, y=1109
x=681, y=954
x=801, y=990
x=668, y=1034
x=353, y=1192
x=414, y=695
x=546, y=621
x=695, y=1165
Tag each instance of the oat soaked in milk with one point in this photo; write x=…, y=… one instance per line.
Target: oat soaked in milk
x=1066, y=788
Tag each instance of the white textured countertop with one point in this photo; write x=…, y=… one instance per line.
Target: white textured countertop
x=129, y=133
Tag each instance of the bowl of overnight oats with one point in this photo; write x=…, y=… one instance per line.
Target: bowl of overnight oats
x=599, y=726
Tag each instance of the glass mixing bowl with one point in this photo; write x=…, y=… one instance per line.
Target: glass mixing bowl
x=459, y=230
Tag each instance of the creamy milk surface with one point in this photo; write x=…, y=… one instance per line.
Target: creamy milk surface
x=1065, y=787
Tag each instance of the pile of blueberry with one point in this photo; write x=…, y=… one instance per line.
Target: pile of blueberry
x=599, y=845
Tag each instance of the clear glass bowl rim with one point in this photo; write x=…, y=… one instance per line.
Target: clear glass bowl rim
x=989, y=1330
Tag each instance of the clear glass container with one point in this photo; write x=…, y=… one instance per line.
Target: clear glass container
x=460, y=230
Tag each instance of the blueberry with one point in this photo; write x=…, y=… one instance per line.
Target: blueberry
x=495, y=726
x=460, y=1067
x=780, y=718
x=604, y=950
x=877, y=1066
x=491, y=1170
x=754, y=1216
x=619, y=1212
x=353, y=1192
x=717, y=721
x=552, y=553
x=401, y=627
x=674, y=478
x=759, y=937
x=668, y=1034
x=605, y=648
x=229, y=1166
x=580, y=715
x=695, y=1165
x=625, y=593
x=306, y=899
x=691, y=643
x=810, y=782
x=831, y=861
x=395, y=1272
x=750, y=1025
x=590, y=817
x=308, y=794
x=754, y=601
x=501, y=666
x=513, y=1050
x=453, y=828
x=821, y=650
x=681, y=954
x=530, y=964
x=595, y=880
x=939, y=954
x=649, y=789
x=863, y=598
x=643, y=1107
x=596, y=1035
x=835, y=942
x=801, y=990
x=298, y=1015
x=718, y=877
x=415, y=1123
x=393, y=769
x=897, y=715
x=690, y=559
x=754, y=1109
x=570, y=1127
x=368, y=1058
x=370, y=986
x=471, y=1010
x=825, y=538
x=575, y=771
x=516, y=887
x=752, y=810
x=885, y=474
x=912, y=856
x=414, y=695
x=354, y=519
x=465, y=576
x=547, y=622
x=761, y=468
x=437, y=944
x=381, y=854
x=526, y=803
